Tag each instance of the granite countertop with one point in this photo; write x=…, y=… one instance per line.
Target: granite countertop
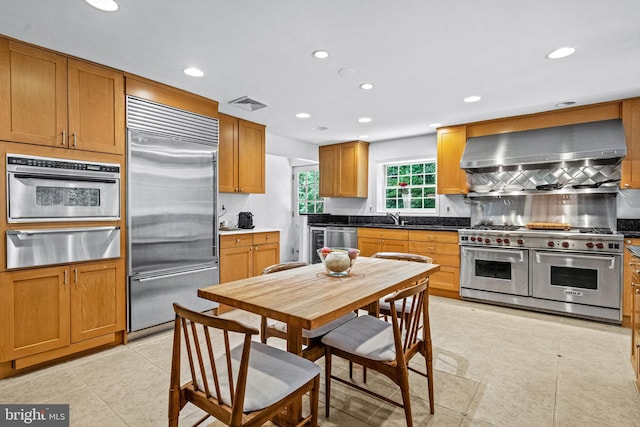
x=635, y=250
x=429, y=227
x=224, y=232
x=633, y=234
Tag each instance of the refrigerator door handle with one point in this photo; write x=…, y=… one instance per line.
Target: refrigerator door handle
x=182, y=273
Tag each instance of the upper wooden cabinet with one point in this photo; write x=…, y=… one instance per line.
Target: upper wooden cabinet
x=241, y=156
x=344, y=169
x=451, y=179
x=631, y=163
x=49, y=99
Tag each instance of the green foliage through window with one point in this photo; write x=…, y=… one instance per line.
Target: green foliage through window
x=410, y=186
x=309, y=201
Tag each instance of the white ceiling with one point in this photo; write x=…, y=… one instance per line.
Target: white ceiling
x=424, y=56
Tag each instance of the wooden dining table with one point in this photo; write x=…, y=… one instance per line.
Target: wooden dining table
x=307, y=297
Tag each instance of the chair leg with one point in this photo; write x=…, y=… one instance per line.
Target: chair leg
x=314, y=396
x=327, y=380
x=406, y=397
x=263, y=330
x=429, y=360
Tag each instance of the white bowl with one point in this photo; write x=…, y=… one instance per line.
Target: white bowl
x=482, y=188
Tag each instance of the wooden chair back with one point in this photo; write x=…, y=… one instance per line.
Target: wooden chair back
x=407, y=327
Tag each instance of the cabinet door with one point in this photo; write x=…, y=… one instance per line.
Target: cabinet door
x=96, y=108
x=387, y=245
x=251, y=157
x=97, y=299
x=447, y=279
x=33, y=95
x=347, y=170
x=227, y=154
x=264, y=256
x=631, y=163
x=34, y=311
x=631, y=265
x=328, y=169
x=451, y=179
x=236, y=263
x=368, y=246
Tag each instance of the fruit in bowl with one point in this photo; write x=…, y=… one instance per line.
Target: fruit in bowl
x=338, y=261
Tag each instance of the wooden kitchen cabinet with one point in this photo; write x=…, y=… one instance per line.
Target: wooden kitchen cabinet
x=50, y=308
x=633, y=283
x=244, y=255
x=631, y=265
x=49, y=99
x=631, y=163
x=450, y=178
x=443, y=247
x=241, y=156
x=372, y=240
x=344, y=169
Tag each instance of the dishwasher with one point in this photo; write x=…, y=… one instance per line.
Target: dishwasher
x=332, y=236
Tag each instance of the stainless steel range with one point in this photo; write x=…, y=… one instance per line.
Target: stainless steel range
x=576, y=272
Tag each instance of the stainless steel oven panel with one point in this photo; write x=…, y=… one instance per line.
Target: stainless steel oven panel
x=30, y=248
x=43, y=197
x=495, y=270
x=578, y=278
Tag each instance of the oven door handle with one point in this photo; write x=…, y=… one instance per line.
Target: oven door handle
x=495, y=251
x=64, y=178
x=60, y=230
x=612, y=260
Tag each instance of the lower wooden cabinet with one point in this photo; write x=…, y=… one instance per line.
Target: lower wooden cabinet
x=634, y=296
x=50, y=308
x=631, y=265
x=372, y=240
x=244, y=255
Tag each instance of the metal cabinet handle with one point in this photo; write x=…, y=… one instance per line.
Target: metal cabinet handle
x=75, y=272
x=237, y=240
x=64, y=136
x=74, y=139
x=626, y=185
x=268, y=237
x=64, y=282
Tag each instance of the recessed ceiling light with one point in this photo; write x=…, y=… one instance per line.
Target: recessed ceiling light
x=303, y=115
x=565, y=104
x=320, y=128
x=366, y=86
x=435, y=125
x=562, y=52
x=193, y=72
x=473, y=98
x=320, y=54
x=347, y=72
x=363, y=136
x=365, y=119
x=105, y=5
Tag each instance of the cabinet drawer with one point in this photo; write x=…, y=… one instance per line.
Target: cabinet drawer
x=269, y=237
x=432, y=248
x=383, y=233
x=236, y=240
x=434, y=236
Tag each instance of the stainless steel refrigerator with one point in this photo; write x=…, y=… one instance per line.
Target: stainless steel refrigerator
x=171, y=211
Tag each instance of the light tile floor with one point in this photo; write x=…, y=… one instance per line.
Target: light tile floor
x=494, y=366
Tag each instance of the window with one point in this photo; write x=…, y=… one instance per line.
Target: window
x=409, y=186
x=309, y=201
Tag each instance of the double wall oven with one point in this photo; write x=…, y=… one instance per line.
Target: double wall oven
x=64, y=191
x=577, y=272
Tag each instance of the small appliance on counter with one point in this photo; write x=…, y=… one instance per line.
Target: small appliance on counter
x=245, y=220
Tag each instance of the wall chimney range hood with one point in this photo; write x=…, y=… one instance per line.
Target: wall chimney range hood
x=594, y=143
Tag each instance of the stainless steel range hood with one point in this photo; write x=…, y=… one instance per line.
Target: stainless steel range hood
x=592, y=143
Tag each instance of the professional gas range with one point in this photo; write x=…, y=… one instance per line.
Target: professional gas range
x=577, y=272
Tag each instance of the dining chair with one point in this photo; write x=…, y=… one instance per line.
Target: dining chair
x=272, y=328
x=386, y=347
x=232, y=378
x=385, y=308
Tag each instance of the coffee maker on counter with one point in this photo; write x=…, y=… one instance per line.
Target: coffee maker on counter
x=245, y=220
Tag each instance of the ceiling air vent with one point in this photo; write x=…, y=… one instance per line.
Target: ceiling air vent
x=247, y=103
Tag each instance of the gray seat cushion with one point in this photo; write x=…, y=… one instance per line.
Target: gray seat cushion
x=272, y=375
x=364, y=336
x=317, y=332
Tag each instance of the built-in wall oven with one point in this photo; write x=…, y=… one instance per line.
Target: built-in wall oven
x=42, y=189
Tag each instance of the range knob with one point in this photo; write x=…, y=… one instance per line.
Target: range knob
x=565, y=244
x=498, y=240
x=599, y=245
x=520, y=242
x=473, y=239
x=551, y=244
x=487, y=240
x=479, y=239
x=507, y=241
x=590, y=245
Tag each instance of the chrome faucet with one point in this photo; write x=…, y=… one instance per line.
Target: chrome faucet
x=395, y=217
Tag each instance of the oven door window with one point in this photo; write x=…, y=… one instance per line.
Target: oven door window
x=67, y=196
x=493, y=269
x=583, y=278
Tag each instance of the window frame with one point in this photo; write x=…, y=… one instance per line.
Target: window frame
x=296, y=194
x=381, y=187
